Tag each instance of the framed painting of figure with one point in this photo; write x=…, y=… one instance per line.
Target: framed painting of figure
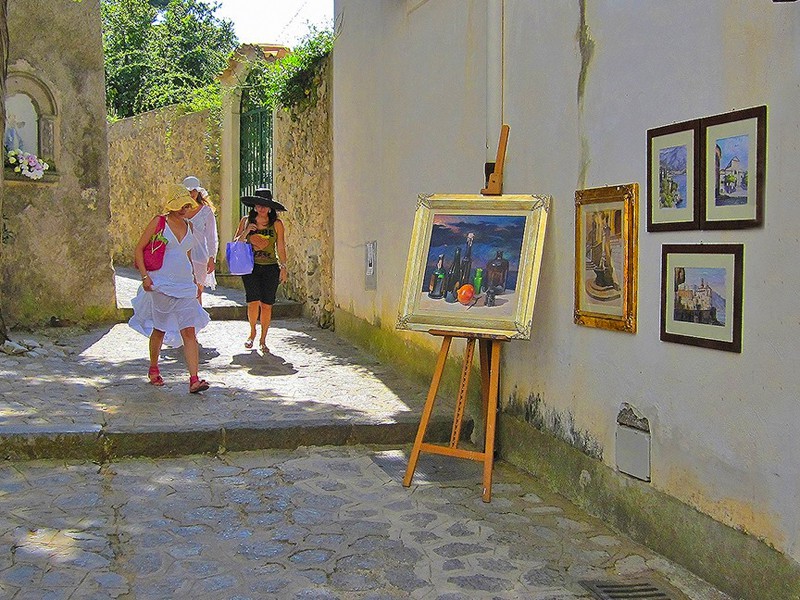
x=734, y=159
x=473, y=265
x=701, y=295
x=606, y=225
x=673, y=170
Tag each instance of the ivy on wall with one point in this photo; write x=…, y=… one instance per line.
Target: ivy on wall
x=289, y=82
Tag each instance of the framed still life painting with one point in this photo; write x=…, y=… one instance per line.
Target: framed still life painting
x=701, y=295
x=673, y=169
x=734, y=159
x=606, y=226
x=473, y=265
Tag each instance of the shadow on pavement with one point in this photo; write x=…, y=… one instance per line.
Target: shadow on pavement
x=266, y=365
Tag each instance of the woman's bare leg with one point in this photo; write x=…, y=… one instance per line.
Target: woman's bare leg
x=190, y=350
x=156, y=341
x=266, y=318
x=252, y=317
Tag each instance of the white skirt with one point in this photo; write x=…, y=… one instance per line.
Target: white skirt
x=154, y=310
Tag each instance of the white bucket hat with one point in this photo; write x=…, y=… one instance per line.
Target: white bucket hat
x=191, y=183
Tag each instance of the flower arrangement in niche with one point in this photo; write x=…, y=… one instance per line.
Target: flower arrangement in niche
x=27, y=164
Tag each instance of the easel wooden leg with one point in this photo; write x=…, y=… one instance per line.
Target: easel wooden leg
x=485, y=354
x=461, y=401
x=491, y=418
x=426, y=412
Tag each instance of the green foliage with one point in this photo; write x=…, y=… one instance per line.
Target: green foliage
x=163, y=52
x=290, y=81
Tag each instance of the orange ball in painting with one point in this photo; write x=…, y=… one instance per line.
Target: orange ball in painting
x=465, y=293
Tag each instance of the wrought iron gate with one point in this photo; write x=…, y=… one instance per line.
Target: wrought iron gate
x=255, y=153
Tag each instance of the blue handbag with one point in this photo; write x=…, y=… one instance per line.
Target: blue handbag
x=239, y=256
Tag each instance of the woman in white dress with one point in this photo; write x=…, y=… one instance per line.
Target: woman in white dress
x=166, y=304
x=204, y=224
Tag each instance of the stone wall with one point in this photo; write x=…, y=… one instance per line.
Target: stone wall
x=303, y=159
x=55, y=256
x=148, y=152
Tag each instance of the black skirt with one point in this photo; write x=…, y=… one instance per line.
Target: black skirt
x=262, y=283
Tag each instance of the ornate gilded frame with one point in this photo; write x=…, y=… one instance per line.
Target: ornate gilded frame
x=448, y=217
x=606, y=232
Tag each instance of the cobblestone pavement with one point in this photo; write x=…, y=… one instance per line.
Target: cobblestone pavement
x=311, y=385
x=87, y=381
x=313, y=523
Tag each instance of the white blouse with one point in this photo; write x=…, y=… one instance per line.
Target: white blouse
x=206, y=244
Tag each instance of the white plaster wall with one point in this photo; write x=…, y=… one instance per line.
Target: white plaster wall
x=409, y=117
x=409, y=114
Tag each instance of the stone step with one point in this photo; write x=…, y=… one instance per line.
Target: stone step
x=97, y=443
x=282, y=309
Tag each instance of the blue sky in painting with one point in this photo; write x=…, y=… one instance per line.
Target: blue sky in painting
x=715, y=277
x=733, y=147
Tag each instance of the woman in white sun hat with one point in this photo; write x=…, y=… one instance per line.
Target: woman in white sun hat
x=166, y=309
x=204, y=223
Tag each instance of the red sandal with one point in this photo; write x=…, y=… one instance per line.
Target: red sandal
x=154, y=375
x=197, y=385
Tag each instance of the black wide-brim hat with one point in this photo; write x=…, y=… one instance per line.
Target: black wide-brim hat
x=263, y=197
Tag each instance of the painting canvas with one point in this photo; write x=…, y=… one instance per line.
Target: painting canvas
x=734, y=151
x=672, y=169
x=701, y=295
x=605, y=257
x=473, y=264
x=489, y=261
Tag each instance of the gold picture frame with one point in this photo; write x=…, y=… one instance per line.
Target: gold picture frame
x=491, y=244
x=606, y=250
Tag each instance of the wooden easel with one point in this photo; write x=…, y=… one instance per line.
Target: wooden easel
x=490, y=376
x=490, y=387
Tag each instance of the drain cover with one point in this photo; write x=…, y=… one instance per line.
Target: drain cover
x=613, y=590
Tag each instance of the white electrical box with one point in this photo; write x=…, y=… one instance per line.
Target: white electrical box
x=633, y=452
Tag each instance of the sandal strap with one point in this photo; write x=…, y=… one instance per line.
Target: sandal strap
x=197, y=385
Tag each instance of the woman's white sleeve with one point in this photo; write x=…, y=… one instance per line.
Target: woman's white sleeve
x=212, y=239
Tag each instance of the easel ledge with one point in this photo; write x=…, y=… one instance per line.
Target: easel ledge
x=464, y=334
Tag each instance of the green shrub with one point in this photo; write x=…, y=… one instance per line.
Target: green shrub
x=290, y=81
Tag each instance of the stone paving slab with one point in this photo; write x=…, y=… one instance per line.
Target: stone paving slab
x=313, y=523
x=82, y=388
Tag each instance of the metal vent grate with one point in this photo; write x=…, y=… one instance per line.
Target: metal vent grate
x=638, y=590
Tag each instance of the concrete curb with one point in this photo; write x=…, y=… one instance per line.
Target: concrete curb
x=98, y=444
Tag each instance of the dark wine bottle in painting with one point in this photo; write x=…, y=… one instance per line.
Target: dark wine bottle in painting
x=497, y=274
x=454, y=273
x=466, y=262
